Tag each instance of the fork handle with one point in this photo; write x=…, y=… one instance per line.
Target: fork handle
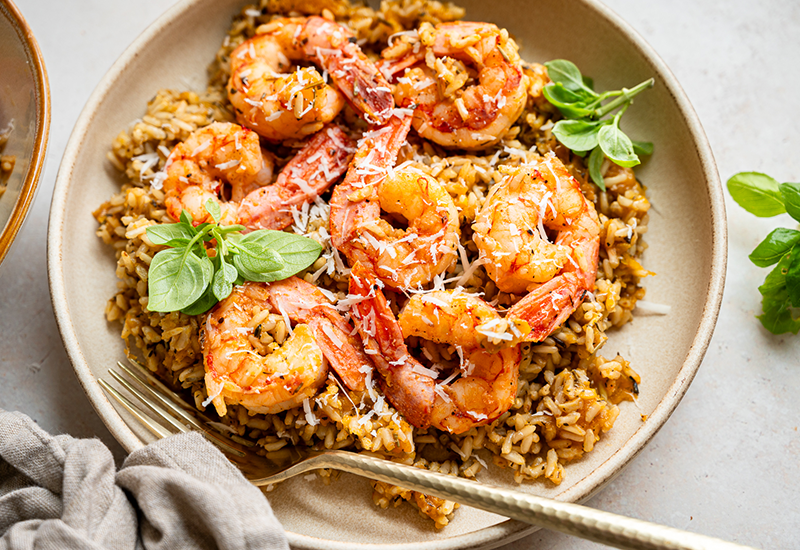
x=572, y=519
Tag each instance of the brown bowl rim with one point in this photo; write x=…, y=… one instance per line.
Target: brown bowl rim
x=31, y=181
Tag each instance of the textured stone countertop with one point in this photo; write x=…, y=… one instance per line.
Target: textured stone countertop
x=726, y=464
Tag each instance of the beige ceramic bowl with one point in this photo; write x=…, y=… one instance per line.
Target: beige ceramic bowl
x=25, y=103
x=687, y=249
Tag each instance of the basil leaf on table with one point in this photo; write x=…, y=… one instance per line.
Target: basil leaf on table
x=774, y=246
x=763, y=196
x=775, y=281
x=790, y=192
x=793, y=278
x=777, y=317
x=757, y=193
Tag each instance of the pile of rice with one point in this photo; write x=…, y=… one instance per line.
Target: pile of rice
x=568, y=393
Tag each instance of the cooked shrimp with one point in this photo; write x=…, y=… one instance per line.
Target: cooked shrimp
x=466, y=82
x=197, y=167
x=402, y=258
x=224, y=153
x=302, y=302
x=280, y=104
x=511, y=232
x=235, y=373
x=403, y=380
x=309, y=174
x=489, y=380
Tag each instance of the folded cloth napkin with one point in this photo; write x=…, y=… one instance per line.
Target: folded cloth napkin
x=62, y=493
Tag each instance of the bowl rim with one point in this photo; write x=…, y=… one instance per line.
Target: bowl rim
x=506, y=531
x=29, y=184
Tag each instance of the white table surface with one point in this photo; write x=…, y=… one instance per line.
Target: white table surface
x=725, y=464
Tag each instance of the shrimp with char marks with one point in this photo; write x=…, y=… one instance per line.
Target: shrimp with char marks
x=304, y=303
x=221, y=153
x=402, y=379
x=487, y=346
x=513, y=232
x=309, y=174
x=197, y=168
x=466, y=82
x=236, y=373
x=400, y=257
x=281, y=102
x=488, y=382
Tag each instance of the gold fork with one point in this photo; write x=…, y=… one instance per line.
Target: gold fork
x=573, y=519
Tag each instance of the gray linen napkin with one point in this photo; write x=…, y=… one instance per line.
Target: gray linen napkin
x=180, y=492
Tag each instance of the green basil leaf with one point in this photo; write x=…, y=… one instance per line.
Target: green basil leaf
x=774, y=246
x=793, y=277
x=557, y=93
x=791, y=199
x=171, y=234
x=617, y=146
x=578, y=135
x=225, y=276
x=296, y=252
x=569, y=103
x=202, y=304
x=566, y=73
x=245, y=274
x=588, y=82
x=212, y=207
x=642, y=148
x=257, y=258
x=775, y=282
x=595, y=164
x=186, y=217
x=757, y=193
x=225, y=229
x=220, y=286
x=777, y=317
x=206, y=229
x=230, y=273
x=177, y=278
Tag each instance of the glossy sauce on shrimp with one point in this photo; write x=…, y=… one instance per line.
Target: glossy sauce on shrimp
x=400, y=257
x=280, y=101
x=513, y=233
x=466, y=82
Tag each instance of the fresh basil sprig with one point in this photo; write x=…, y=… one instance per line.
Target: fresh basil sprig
x=584, y=130
x=185, y=278
x=763, y=196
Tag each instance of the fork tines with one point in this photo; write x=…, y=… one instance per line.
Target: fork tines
x=172, y=413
